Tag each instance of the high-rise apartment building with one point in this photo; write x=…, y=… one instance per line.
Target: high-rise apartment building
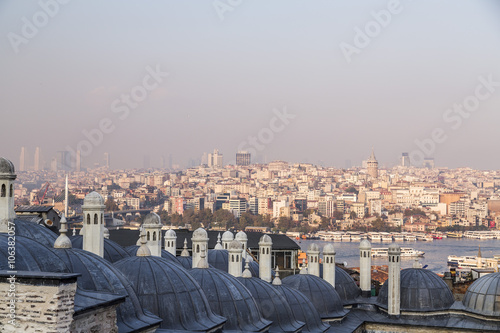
x=78, y=161
x=22, y=160
x=36, y=159
x=405, y=160
x=106, y=160
x=243, y=158
x=215, y=159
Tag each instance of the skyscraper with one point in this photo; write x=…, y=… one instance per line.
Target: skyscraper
x=372, y=166
x=405, y=160
x=36, y=159
x=243, y=158
x=22, y=160
x=78, y=162
x=215, y=159
x=106, y=160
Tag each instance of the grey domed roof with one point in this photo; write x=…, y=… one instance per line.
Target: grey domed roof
x=112, y=250
x=93, y=199
x=6, y=166
x=322, y=295
x=313, y=247
x=101, y=276
x=345, y=285
x=229, y=298
x=273, y=305
x=482, y=296
x=265, y=240
x=421, y=290
x=171, y=293
x=36, y=232
x=235, y=245
x=241, y=236
x=303, y=309
x=365, y=244
x=328, y=249
x=227, y=236
x=200, y=233
x=132, y=251
x=152, y=218
x=220, y=259
x=186, y=262
x=30, y=256
x=170, y=234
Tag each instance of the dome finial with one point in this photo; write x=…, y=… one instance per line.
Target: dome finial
x=303, y=269
x=218, y=246
x=416, y=264
x=63, y=242
x=246, y=273
x=143, y=250
x=277, y=280
x=185, y=252
x=203, y=263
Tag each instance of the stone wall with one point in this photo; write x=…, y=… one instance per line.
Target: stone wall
x=97, y=321
x=385, y=328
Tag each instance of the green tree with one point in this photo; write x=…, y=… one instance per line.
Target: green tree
x=111, y=205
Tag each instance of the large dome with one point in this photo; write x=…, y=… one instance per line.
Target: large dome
x=229, y=298
x=112, y=250
x=344, y=285
x=303, y=309
x=220, y=259
x=93, y=199
x=169, y=292
x=132, y=251
x=421, y=290
x=323, y=296
x=6, y=167
x=97, y=274
x=273, y=305
x=35, y=232
x=483, y=296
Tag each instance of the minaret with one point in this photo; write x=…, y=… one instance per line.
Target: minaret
x=313, y=259
x=93, y=223
x=66, y=197
x=171, y=242
x=200, y=242
x=234, y=258
x=372, y=166
x=227, y=237
x=365, y=268
x=265, y=257
x=7, y=177
x=394, y=279
x=243, y=239
x=152, y=228
x=329, y=264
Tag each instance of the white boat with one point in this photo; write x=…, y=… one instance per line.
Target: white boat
x=337, y=236
x=386, y=237
x=410, y=237
x=374, y=237
x=346, y=238
x=406, y=252
x=398, y=238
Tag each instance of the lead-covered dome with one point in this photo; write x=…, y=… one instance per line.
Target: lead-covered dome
x=36, y=232
x=323, y=296
x=229, y=298
x=6, y=167
x=132, y=252
x=483, y=296
x=273, y=305
x=93, y=199
x=112, y=250
x=421, y=290
x=171, y=293
x=345, y=285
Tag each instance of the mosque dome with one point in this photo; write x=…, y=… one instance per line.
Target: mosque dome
x=323, y=296
x=99, y=275
x=229, y=298
x=186, y=262
x=132, y=251
x=220, y=259
x=345, y=285
x=93, y=199
x=303, y=310
x=112, y=250
x=483, y=296
x=241, y=236
x=6, y=167
x=30, y=256
x=36, y=232
x=169, y=292
x=227, y=236
x=273, y=305
x=421, y=290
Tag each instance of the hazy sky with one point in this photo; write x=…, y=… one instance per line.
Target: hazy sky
x=352, y=74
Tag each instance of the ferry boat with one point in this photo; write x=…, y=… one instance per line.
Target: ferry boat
x=406, y=252
x=398, y=238
x=337, y=236
x=454, y=235
x=346, y=238
x=386, y=237
x=409, y=237
x=355, y=237
x=464, y=261
x=374, y=237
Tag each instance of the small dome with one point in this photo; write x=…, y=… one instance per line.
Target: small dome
x=328, y=249
x=230, y=299
x=132, y=252
x=483, y=296
x=112, y=250
x=227, y=236
x=36, y=232
x=303, y=310
x=421, y=290
x=346, y=286
x=235, y=245
x=186, y=262
x=241, y=236
x=313, y=247
x=6, y=167
x=171, y=293
x=93, y=199
x=323, y=296
x=273, y=305
x=365, y=245
x=200, y=234
x=394, y=249
x=265, y=240
x=220, y=259
x=152, y=218
x=170, y=234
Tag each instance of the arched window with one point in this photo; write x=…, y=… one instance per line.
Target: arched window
x=263, y=251
x=237, y=258
x=197, y=248
x=3, y=191
x=148, y=237
x=232, y=258
x=96, y=219
x=88, y=218
x=154, y=235
x=267, y=251
x=11, y=194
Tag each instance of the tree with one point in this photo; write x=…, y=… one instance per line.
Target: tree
x=285, y=224
x=353, y=215
x=352, y=189
x=111, y=205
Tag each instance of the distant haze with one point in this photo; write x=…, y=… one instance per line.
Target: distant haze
x=230, y=64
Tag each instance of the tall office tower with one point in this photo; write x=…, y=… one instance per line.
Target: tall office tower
x=242, y=158
x=78, y=161
x=36, y=159
x=405, y=160
x=106, y=160
x=64, y=160
x=429, y=163
x=204, y=159
x=372, y=166
x=22, y=160
x=215, y=159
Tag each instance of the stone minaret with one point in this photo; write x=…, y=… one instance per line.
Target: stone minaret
x=394, y=293
x=243, y=239
x=152, y=227
x=329, y=264
x=93, y=223
x=7, y=177
x=227, y=238
x=171, y=242
x=199, y=242
x=365, y=268
x=265, y=257
x=313, y=259
x=234, y=258
x=372, y=166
